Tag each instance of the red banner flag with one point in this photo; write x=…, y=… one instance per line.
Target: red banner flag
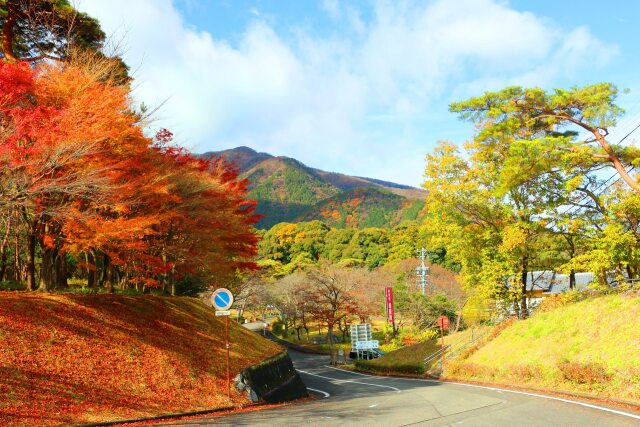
x=388, y=293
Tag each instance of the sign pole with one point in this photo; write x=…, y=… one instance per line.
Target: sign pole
x=228, y=368
x=222, y=300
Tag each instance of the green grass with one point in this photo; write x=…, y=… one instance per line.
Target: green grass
x=589, y=346
x=406, y=360
x=604, y=330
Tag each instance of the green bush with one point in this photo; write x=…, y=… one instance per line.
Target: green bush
x=277, y=327
x=9, y=285
x=400, y=368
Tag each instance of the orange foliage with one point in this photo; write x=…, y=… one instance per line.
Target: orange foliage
x=90, y=181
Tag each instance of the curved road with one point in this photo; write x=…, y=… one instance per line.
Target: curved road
x=348, y=398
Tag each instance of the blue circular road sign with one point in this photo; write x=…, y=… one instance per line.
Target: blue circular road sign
x=222, y=299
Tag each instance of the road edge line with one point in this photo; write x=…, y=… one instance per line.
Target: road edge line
x=324, y=393
x=542, y=396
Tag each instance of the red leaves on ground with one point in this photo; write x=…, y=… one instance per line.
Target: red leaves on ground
x=73, y=359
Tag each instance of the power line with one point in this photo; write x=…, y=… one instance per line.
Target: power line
x=576, y=207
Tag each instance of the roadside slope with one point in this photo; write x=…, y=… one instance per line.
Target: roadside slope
x=592, y=346
x=83, y=358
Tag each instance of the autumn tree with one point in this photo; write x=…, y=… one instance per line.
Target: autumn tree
x=82, y=182
x=331, y=296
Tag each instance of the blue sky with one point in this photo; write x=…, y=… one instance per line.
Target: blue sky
x=360, y=87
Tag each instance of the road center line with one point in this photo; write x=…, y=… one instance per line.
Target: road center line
x=324, y=393
x=351, y=381
x=500, y=390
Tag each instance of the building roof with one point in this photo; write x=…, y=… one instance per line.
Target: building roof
x=551, y=282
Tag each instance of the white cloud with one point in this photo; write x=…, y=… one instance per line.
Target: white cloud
x=332, y=8
x=351, y=103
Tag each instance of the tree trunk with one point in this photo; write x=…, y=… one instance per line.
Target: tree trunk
x=172, y=278
x=103, y=272
x=614, y=159
x=523, y=301
x=17, y=267
x=344, y=331
x=7, y=32
x=61, y=271
x=91, y=269
x=458, y=319
x=3, y=251
x=109, y=278
x=3, y=265
x=47, y=270
x=31, y=261
x=572, y=279
x=330, y=336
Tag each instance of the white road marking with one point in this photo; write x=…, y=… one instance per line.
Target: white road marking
x=355, y=373
x=500, y=390
x=350, y=381
x=324, y=393
x=373, y=406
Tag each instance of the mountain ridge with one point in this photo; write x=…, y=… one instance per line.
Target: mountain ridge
x=288, y=190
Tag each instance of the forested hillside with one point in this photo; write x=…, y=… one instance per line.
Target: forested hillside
x=365, y=207
x=289, y=191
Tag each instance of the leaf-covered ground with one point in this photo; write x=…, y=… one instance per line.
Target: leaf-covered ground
x=69, y=359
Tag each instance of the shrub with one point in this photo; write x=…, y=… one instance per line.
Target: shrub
x=584, y=373
x=524, y=372
x=411, y=336
x=554, y=301
x=277, y=327
x=11, y=286
x=400, y=368
x=408, y=340
x=471, y=370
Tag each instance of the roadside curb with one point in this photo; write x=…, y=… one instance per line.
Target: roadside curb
x=157, y=417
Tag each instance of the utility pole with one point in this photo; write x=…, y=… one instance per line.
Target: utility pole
x=422, y=270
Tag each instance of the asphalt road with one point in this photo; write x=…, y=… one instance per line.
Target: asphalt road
x=347, y=398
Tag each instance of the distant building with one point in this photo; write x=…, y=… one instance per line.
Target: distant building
x=548, y=282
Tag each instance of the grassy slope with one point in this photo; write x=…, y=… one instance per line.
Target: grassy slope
x=409, y=359
x=590, y=346
x=76, y=358
x=406, y=360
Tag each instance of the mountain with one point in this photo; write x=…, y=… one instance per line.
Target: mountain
x=288, y=190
